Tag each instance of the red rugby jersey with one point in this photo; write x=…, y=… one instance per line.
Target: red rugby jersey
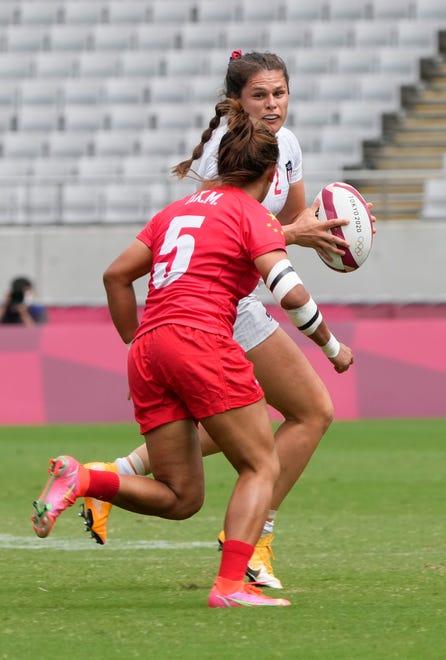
x=203, y=250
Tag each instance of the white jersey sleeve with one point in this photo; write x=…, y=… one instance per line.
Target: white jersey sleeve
x=288, y=172
x=289, y=168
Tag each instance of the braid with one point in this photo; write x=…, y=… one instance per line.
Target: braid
x=182, y=169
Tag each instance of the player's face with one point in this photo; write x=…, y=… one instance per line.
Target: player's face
x=265, y=96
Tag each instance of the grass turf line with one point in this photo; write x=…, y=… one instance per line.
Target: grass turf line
x=360, y=548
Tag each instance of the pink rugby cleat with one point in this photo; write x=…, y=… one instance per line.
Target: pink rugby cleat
x=58, y=494
x=248, y=596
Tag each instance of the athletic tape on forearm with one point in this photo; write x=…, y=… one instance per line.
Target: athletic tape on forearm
x=281, y=279
x=332, y=347
x=306, y=318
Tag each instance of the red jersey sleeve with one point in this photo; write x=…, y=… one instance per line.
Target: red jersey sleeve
x=261, y=231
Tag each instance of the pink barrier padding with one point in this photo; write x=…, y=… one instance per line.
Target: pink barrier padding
x=76, y=372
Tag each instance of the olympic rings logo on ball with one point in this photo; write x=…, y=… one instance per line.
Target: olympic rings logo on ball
x=359, y=246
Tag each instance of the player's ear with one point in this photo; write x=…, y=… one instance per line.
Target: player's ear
x=271, y=173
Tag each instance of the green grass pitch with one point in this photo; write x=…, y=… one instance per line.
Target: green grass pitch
x=360, y=547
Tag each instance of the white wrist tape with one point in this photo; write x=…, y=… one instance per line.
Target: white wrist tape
x=281, y=279
x=332, y=347
x=306, y=318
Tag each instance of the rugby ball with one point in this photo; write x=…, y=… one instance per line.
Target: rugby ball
x=340, y=200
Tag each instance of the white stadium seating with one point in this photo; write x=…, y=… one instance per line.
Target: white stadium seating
x=120, y=88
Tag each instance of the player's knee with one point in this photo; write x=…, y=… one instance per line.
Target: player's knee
x=187, y=506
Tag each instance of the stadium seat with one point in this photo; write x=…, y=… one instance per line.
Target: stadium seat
x=411, y=33
x=15, y=167
x=209, y=11
x=381, y=87
x=206, y=89
x=260, y=10
x=403, y=60
x=363, y=115
x=89, y=167
x=343, y=141
x=11, y=197
x=112, y=37
x=25, y=38
x=166, y=115
x=311, y=113
x=346, y=10
x=306, y=10
x=281, y=35
x=34, y=91
x=9, y=12
x=53, y=167
x=434, y=200
x=248, y=36
x=126, y=116
x=70, y=37
x=83, y=117
x=321, y=163
x=15, y=65
x=69, y=145
x=82, y=203
x=23, y=145
x=310, y=139
x=217, y=61
x=115, y=143
x=41, y=204
x=54, y=64
x=374, y=33
x=192, y=35
x=356, y=60
x=125, y=90
x=430, y=9
x=8, y=118
x=9, y=92
x=126, y=202
x=189, y=62
x=146, y=166
x=322, y=35
x=132, y=13
x=384, y=9
x=332, y=87
x=310, y=60
x=172, y=90
x=163, y=142
x=171, y=11
x=78, y=90
x=38, y=118
x=136, y=63
x=40, y=12
x=85, y=12
x=97, y=64
x=148, y=36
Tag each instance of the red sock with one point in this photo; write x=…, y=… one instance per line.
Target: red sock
x=234, y=560
x=103, y=485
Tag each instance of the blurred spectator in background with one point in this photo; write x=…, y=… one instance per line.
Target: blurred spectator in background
x=19, y=306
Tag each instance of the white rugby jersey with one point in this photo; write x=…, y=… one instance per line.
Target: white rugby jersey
x=289, y=169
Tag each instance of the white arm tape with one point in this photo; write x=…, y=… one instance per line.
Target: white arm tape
x=332, y=347
x=281, y=279
x=306, y=318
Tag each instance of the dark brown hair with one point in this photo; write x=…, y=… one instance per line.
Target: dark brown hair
x=247, y=149
x=240, y=71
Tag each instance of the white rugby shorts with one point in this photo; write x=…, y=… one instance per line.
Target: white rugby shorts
x=253, y=323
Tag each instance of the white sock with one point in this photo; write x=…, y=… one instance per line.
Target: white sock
x=132, y=466
x=268, y=527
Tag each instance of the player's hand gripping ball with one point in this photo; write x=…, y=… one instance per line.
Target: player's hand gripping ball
x=340, y=200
